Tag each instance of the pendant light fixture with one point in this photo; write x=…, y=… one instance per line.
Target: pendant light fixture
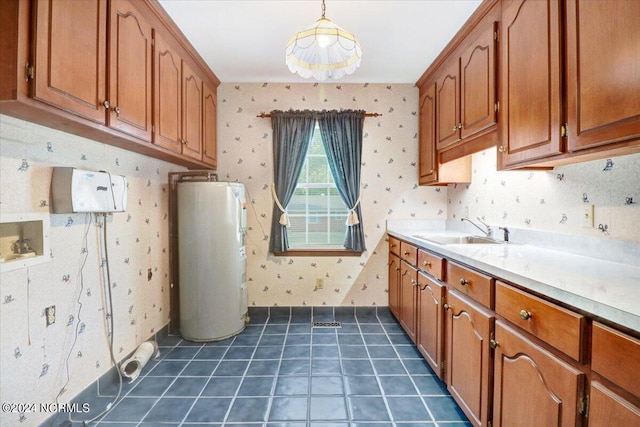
x=323, y=51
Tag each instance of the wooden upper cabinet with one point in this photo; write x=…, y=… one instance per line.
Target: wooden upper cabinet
x=191, y=113
x=531, y=81
x=466, y=87
x=130, y=64
x=448, y=105
x=603, y=75
x=167, y=84
x=70, y=56
x=209, y=125
x=478, y=108
x=427, y=148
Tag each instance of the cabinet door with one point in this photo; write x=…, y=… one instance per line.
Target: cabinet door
x=478, y=83
x=448, y=106
x=430, y=321
x=191, y=113
x=532, y=386
x=209, y=126
x=394, y=285
x=607, y=409
x=408, y=283
x=603, y=76
x=70, y=56
x=469, y=365
x=427, y=156
x=130, y=62
x=167, y=104
x=531, y=80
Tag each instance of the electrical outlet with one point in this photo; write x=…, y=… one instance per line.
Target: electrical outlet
x=587, y=216
x=319, y=283
x=50, y=315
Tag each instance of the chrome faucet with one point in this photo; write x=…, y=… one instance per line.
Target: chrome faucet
x=506, y=233
x=488, y=232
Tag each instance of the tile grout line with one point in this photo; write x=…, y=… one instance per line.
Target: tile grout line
x=424, y=403
x=375, y=371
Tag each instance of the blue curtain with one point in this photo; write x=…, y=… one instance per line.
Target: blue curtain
x=292, y=132
x=342, y=137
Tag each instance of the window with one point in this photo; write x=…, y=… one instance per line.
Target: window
x=316, y=211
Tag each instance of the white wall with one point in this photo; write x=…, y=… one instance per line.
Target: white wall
x=389, y=186
x=32, y=355
x=553, y=200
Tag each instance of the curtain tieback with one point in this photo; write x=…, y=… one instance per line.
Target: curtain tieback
x=284, y=218
x=352, y=217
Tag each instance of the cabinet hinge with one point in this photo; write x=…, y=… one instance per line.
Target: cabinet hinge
x=563, y=130
x=496, y=37
x=29, y=71
x=583, y=406
x=443, y=369
x=496, y=106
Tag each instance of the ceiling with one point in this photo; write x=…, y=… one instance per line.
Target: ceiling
x=244, y=40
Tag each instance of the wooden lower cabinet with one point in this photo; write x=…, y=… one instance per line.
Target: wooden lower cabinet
x=533, y=387
x=608, y=409
x=469, y=367
x=408, y=306
x=394, y=285
x=430, y=322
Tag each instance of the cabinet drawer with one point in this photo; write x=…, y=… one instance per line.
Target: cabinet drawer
x=430, y=263
x=559, y=327
x=471, y=283
x=616, y=356
x=394, y=246
x=409, y=253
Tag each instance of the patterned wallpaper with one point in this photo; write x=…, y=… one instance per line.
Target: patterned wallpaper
x=32, y=354
x=554, y=200
x=389, y=186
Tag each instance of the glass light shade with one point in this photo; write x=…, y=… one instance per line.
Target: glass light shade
x=323, y=51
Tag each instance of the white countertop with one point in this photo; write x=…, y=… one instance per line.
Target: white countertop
x=605, y=289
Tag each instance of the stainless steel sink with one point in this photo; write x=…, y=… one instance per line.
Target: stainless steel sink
x=458, y=240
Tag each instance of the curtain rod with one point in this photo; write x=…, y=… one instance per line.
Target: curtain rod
x=268, y=115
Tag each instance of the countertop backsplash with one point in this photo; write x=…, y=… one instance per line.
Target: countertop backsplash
x=553, y=200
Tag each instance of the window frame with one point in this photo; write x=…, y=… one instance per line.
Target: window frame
x=317, y=250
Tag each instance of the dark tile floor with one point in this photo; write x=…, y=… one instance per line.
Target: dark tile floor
x=281, y=372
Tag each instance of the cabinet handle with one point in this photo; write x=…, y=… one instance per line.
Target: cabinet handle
x=459, y=125
x=427, y=264
x=117, y=110
x=431, y=171
x=463, y=281
x=446, y=306
x=502, y=149
x=105, y=104
x=493, y=343
x=397, y=268
x=393, y=245
x=414, y=283
x=406, y=252
x=455, y=128
x=525, y=315
x=184, y=142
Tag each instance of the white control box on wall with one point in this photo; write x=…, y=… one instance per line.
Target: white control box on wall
x=76, y=190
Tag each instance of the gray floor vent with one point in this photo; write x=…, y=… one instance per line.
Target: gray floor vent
x=327, y=325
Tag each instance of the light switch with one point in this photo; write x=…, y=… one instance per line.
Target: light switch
x=587, y=216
